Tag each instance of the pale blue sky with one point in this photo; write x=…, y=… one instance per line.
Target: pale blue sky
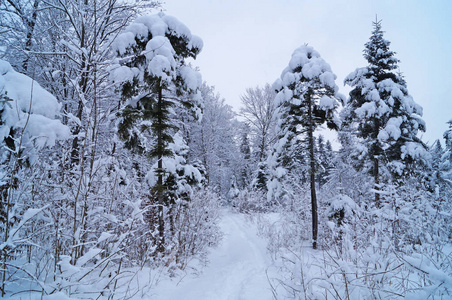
x=249, y=43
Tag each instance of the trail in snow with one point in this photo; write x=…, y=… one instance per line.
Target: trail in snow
x=236, y=269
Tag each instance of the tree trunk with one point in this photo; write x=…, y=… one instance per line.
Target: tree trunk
x=161, y=220
x=376, y=153
x=377, y=182
x=315, y=223
x=30, y=23
x=262, y=150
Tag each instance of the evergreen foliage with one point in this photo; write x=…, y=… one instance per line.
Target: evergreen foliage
x=153, y=51
x=388, y=120
x=307, y=98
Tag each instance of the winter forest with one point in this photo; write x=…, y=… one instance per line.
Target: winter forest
x=125, y=175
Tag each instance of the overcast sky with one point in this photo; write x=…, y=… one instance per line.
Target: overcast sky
x=249, y=42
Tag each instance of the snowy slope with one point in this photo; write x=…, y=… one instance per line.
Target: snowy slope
x=236, y=269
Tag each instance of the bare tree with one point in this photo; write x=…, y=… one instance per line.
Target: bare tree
x=258, y=108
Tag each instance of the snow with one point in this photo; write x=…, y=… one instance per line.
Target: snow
x=159, y=66
x=289, y=78
x=122, y=74
x=327, y=103
x=32, y=108
x=139, y=30
x=236, y=270
x=160, y=45
x=29, y=214
x=341, y=202
x=176, y=163
x=104, y=236
x=312, y=66
x=5, y=67
x=415, y=150
x=123, y=42
x=366, y=110
x=391, y=130
x=328, y=78
x=374, y=95
x=159, y=53
x=280, y=172
x=192, y=78
x=24, y=90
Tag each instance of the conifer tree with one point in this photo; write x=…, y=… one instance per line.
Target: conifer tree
x=307, y=98
x=387, y=117
x=325, y=156
x=245, y=151
x=155, y=82
x=448, y=139
x=445, y=166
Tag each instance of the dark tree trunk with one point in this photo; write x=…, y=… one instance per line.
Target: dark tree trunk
x=315, y=222
x=30, y=23
x=377, y=182
x=160, y=196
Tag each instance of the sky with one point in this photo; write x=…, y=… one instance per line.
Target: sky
x=247, y=43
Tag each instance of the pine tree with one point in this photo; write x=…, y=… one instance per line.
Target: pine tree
x=307, y=98
x=387, y=117
x=156, y=82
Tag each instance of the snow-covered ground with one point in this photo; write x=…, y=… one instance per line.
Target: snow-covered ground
x=236, y=270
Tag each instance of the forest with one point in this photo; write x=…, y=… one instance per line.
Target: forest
x=118, y=161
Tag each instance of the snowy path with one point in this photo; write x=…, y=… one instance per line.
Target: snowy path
x=236, y=268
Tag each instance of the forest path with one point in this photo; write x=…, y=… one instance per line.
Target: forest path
x=236, y=269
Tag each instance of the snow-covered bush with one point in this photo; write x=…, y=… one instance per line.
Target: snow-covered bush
x=28, y=124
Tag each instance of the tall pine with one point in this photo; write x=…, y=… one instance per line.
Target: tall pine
x=158, y=87
x=307, y=98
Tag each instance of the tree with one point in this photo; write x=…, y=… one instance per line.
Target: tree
x=325, y=155
x=213, y=141
x=307, y=98
x=245, y=157
x=448, y=139
x=155, y=82
x=19, y=20
x=443, y=165
x=258, y=109
x=387, y=117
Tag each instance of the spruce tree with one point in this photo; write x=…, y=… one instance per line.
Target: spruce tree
x=387, y=117
x=445, y=166
x=155, y=83
x=245, y=151
x=307, y=98
x=448, y=139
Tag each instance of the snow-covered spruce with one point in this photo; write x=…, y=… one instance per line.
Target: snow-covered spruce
x=388, y=120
